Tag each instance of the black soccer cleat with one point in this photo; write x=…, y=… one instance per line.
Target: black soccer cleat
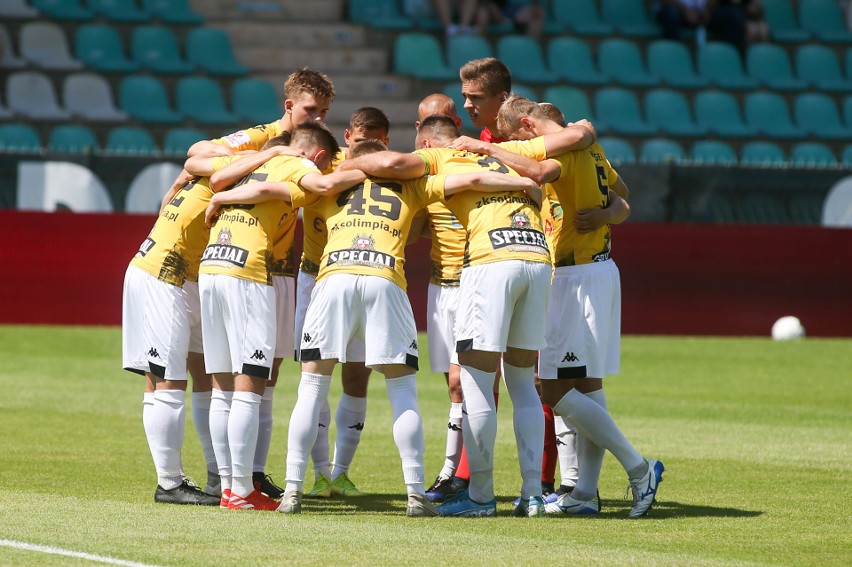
x=185, y=493
x=263, y=483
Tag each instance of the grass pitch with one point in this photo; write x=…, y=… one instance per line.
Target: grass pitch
x=755, y=436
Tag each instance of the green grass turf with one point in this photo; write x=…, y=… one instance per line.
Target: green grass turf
x=755, y=436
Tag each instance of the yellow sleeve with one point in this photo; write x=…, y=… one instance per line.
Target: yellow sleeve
x=249, y=139
x=611, y=174
x=430, y=160
x=534, y=148
x=434, y=189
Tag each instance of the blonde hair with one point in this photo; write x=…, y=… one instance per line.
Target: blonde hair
x=512, y=110
x=305, y=81
x=553, y=112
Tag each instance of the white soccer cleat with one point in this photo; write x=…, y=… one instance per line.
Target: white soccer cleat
x=645, y=489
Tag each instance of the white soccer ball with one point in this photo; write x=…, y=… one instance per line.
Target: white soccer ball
x=788, y=328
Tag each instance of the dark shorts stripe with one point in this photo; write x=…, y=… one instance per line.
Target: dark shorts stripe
x=157, y=370
x=257, y=371
x=412, y=361
x=464, y=345
x=310, y=354
x=136, y=371
x=571, y=372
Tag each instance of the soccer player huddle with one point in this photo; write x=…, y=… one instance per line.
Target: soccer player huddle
x=521, y=279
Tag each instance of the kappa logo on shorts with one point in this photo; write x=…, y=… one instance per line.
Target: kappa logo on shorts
x=413, y=345
x=358, y=426
x=153, y=352
x=570, y=357
x=454, y=427
x=306, y=338
x=258, y=356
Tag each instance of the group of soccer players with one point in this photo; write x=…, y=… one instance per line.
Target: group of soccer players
x=521, y=278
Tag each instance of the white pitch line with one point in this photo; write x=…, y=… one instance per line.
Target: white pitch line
x=68, y=553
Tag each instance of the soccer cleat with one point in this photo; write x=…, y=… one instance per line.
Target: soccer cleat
x=321, y=489
x=342, y=486
x=563, y=489
x=420, y=507
x=546, y=490
x=440, y=490
x=264, y=484
x=462, y=505
x=529, y=507
x=184, y=493
x=568, y=506
x=645, y=489
x=254, y=501
x=226, y=497
x=291, y=503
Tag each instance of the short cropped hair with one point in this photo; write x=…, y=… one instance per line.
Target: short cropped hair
x=489, y=73
x=369, y=118
x=306, y=81
x=366, y=147
x=512, y=110
x=439, y=127
x=553, y=112
x=315, y=134
x=282, y=139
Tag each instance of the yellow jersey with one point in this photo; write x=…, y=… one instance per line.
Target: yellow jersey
x=251, y=138
x=500, y=226
x=448, y=242
x=368, y=226
x=172, y=250
x=314, y=233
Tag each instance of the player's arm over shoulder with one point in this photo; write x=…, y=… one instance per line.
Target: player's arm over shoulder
x=388, y=164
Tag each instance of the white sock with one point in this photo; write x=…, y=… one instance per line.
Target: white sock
x=408, y=430
x=319, y=453
x=242, y=439
x=201, y=419
x=264, y=430
x=480, y=430
x=167, y=419
x=349, y=420
x=313, y=392
x=595, y=423
x=566, y=446
x=147, y=406
x=528, y=420
x=220, y=410
x=589, y=459
x=454, y=441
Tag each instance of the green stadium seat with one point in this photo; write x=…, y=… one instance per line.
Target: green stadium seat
x=769, y=113
x=825, y=20
x=720, y=63
x=99, y=46
x=464, y=48
x=846, y=156
x=173, y=12
x=571, y=59
x=629, y=17
x=782, y=22
x=621, y=61
x=818, y=115
x=130, y=140
x=719, y=112
x=819, y=65
x=156, y=48
x=812, y=154
x=661, y=151
x=255, y=100
x=420, y=55
x=525, y=91
x=763, y=154
x=847, y=111
x=671, y=62
x=145, y=99
x=72, y=138
x=524, y=58
x=581, y=17
x=761, y=208
x=618, y=109
x=770, y=65
x=64, y=10
x=805, y=209
x=668, y=111
x=201, y=99
x=19, y=137
x=618, y=150
x=573, y=103
x=453, y=90
x=713, y=152
x=119, y=11
x=178, y=140
x=210, y=49
x=384, y=14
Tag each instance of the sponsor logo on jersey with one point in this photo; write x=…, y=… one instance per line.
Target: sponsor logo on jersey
x=223, y=252
x=146, y=246
x=602, y=257
x=237, y=139
x=362, y=253
x=519, y=238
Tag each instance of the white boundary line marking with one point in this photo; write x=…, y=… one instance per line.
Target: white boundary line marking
x=68, y=553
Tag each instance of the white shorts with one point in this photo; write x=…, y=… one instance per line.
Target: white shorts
x=583, y=323
x=502, y=304
x=441, y=305
x=285, y=315
x=157, y=322
x=193, y=306
x=370, y=308
x=238, y=323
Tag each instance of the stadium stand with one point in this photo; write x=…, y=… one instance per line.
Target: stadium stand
x=812, y=154
x=463, y=48
x=173, y=12
x=421, y=55
x=201, y=99
x=156, y=49
x=819, y=66
x=145, y=99
x=782, y=22
x=629, y=17
x=383, y=14
x=817, y=113
x=618, y=150
x=824, y=19
x=719, y=112
x=45, y=45
x=88, y=96
x=210, y=49
x=119, y=11
x=31, y=94
x=713, y=152
x=8, y=58
x=525, y=58
x=178, y=140
x=64, y=10
x=19, y=137
x=661, y=151
x=769, y=113
x=671, y=63
x=255, y=100
x=571, y=59
x=621, y=61
x=71, y=138
x=581, y=17
x=618, y=109
x=100, y=47
x=763, y=154
x=770, y=65
x=720, y=64
x=130, y=140
x=573, y=102
x=668, y=111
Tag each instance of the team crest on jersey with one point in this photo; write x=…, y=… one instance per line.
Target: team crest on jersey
x=520, y=220
x=224, y=236
x=223, y=252
x=364, y=242
x=520, y=236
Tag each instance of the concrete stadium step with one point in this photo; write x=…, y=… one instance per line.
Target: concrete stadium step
x=400, y=140
x=282, y=10
x=363, y=60
x=347, y=86
x=277, y=35
x=402, y=113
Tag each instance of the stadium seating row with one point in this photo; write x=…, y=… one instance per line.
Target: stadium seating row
x=31, y=95
x=621, y=61
x=819, y=20
x=100, y=48
x=119, y=11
